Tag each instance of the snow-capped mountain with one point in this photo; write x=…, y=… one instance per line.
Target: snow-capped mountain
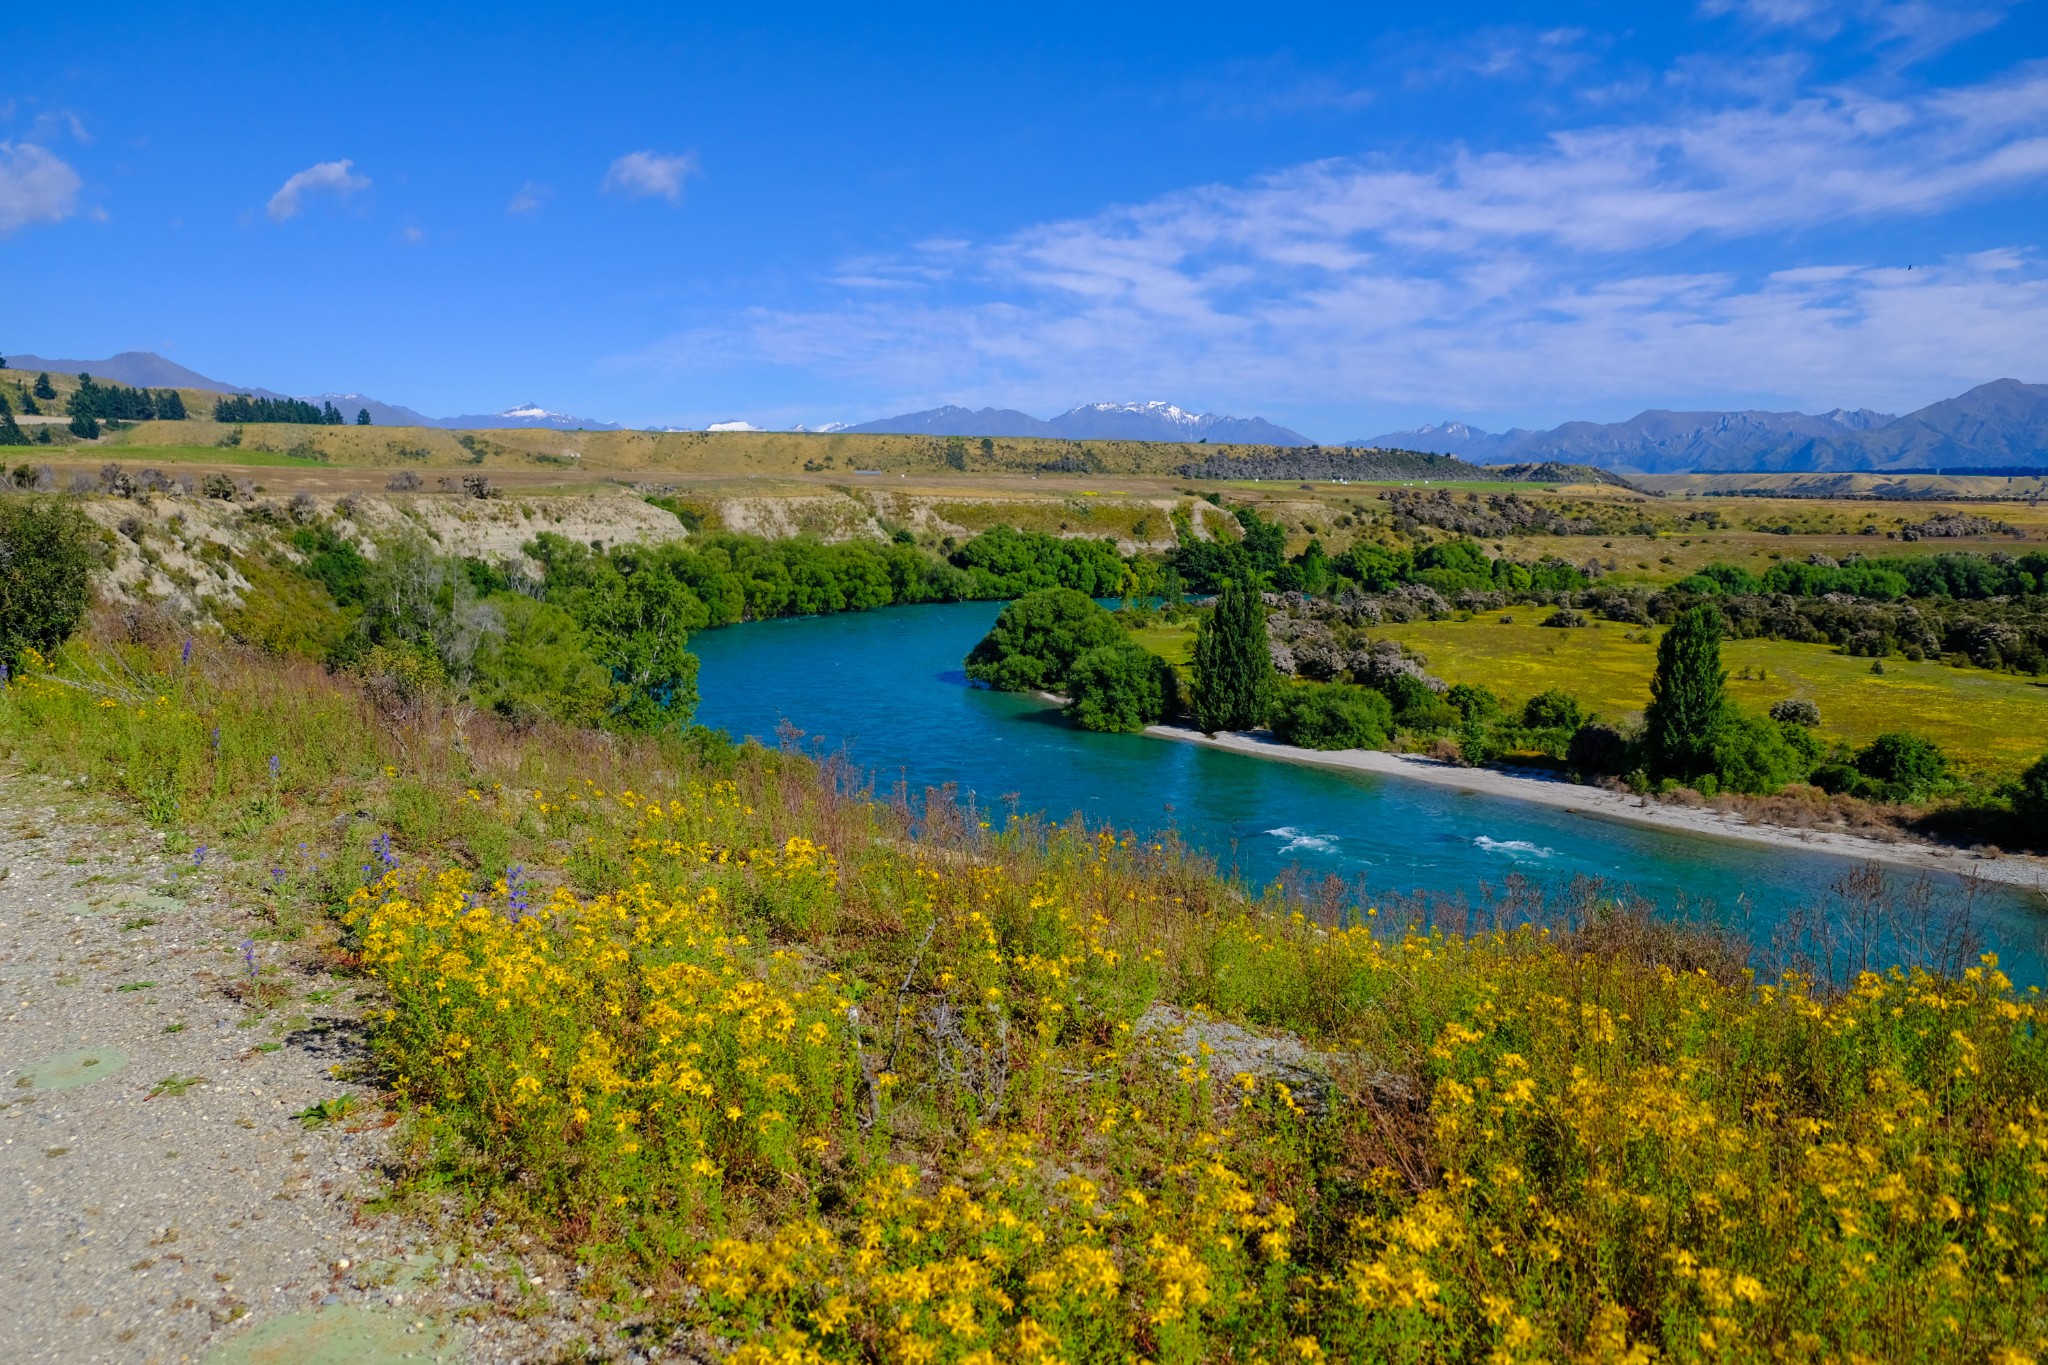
x=1160, y=421
x=526, y=415
x=1155, y=421
x=733, y=426
x=825, y=430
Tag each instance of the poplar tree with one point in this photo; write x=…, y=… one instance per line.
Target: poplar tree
x=1233, y=665
x=1687, y=696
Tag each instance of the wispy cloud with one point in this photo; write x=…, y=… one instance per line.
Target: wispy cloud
x=326, y=177
x=1480, y=280
x=1909, y=30
x=36, y=186
x=530, y=199
x=651, y=175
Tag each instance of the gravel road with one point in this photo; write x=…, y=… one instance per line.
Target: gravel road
x=164, y=1203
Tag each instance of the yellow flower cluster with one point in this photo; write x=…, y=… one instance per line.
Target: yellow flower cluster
x=633, y=1051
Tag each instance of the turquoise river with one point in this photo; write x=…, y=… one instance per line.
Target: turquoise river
x=886, y=687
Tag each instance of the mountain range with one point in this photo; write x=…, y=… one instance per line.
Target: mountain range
x=1091, y=422
x=146, y=369
x=2000, y=424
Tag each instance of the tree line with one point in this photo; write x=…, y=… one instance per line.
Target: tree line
x=99, y=402
x=296, y=411
x=1693, y=734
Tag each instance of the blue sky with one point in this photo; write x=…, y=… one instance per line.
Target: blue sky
x=1347, y=219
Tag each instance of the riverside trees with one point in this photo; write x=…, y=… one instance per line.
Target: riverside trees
x=1234, y=676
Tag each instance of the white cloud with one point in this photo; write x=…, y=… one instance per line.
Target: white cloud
x=530, y=199
x=1483, y=280
x=35, y=186
x=327, y=176
x=1908, y=30
x=648, y=175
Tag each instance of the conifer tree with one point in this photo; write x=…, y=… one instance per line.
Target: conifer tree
x=1233, y=665
x=85, y=427
x=1687, y=696
x=44, y=389
x=362, y=417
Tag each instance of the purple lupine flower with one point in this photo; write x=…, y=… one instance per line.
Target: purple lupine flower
x=3, y=672
x=216, y=741
x=381, y=846
x=185, y=654
x=199, y=856
x=275, y=765
x=517, y=892
x=276, y=876
x=249, y=956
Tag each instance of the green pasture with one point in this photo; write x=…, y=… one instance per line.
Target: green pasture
x=1986, y=721
x=1992, y=721
x=141, y=457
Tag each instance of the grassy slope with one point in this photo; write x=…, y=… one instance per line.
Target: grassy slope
x=641, y=1046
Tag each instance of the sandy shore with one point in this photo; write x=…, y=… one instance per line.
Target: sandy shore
x=2012, y=869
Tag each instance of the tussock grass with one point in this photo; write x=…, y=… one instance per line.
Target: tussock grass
x=826, y=1078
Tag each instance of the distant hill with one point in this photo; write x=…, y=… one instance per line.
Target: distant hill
x=147, y=369
x=957, y=421
x=2000, y=424
x=1090, y=422
x=139, y=369
x=383, y=414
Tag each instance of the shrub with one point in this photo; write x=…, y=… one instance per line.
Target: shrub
x=1034, y=643
x=1332, y=716
x=1553, y=710
x=1475, y=703
x=1600, y=750
x=1759, y=756
x=47, y=554
x=1120, y=687
x=1905, y=766
x=540, y=665
x=1796, y=711
x=2030, y=804
x=1418, y=706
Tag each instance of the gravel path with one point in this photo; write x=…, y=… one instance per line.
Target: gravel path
x=162, y=1201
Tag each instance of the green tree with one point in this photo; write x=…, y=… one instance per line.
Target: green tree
x=11, y=433
x=44, y=389
x=1332, y=716
x=1234, y=676
x=1034, y=643
x=85, y=427
x=1759, y=756
x=540, y=665
x=47, y=554
x=1687, y=696
x=1905, y=766
x=2030, y=804
x=362, y=417
x=1120, y=687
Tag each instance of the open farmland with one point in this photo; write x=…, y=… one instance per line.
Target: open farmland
x=1992, y=720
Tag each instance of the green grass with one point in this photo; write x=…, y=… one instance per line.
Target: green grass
x=1990, y=721
x=139, y=456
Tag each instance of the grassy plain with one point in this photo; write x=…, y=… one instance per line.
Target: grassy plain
x=1990, y=722
x=1993, y=721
